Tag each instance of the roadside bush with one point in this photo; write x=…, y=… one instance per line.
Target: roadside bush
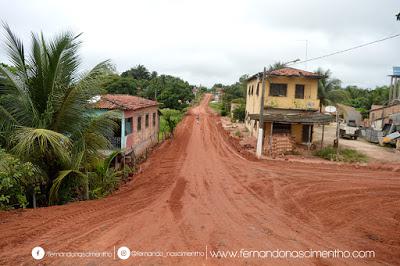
x=18, y=182
x=169, y=119
x=345, y=155
x=104, y=179
x=239, y=113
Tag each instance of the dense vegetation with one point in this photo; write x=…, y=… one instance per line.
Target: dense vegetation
x=331, y=92
x=50, y=135
x=171, y=92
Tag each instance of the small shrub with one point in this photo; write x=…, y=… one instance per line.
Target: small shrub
x=18, y=181
x=239, y=113
x=238, y=133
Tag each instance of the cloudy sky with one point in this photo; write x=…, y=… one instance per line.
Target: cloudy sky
x=212, y=41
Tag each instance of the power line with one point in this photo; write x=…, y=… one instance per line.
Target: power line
x=347, y=50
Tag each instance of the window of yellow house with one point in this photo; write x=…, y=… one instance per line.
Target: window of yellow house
x=278, y=90
x=258, y=88
x=299, y=93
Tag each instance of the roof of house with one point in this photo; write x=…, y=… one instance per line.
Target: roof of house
x=289, y=72
x=123, y=102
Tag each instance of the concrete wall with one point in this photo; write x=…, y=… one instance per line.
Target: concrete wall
x=139, y=140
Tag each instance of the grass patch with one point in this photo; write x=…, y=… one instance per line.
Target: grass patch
x=345, y=155
x=218, y=107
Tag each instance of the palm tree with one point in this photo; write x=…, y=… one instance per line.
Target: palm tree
x=46, y=116
x=326, y=85
x=276, y=66
x=139, y=72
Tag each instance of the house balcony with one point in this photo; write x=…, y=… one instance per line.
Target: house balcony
x=292, y=103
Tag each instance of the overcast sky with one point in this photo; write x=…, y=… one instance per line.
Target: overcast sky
x=212, y=41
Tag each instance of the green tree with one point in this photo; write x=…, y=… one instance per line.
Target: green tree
x=137, y=72
x=45, y=113
x=325, y=85
x=120, y=85
x=172, y=118
x=239, y=113
x=234, y=91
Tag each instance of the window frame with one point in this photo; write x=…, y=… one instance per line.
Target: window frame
x=146, y=120
x=128, y=121
x=296, y=88
x=279, y=94
x=139, y=123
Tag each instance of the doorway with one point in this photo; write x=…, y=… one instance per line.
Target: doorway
x=306, y=137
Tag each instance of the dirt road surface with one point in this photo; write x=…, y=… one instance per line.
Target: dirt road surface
x=197, y=193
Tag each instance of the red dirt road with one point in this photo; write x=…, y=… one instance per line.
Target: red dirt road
x=198, y=192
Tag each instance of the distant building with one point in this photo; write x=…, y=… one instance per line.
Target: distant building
x=379, y=115
x=218, y=94
x=291, y=106
x=139, y=122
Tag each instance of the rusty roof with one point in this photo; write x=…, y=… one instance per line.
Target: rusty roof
x=123, y=102
x=289, y=72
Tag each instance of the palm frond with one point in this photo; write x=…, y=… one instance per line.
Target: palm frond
x=39, y=141
x=16, y=52
x=62, y=175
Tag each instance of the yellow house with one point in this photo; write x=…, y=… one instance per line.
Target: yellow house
x=291, y=105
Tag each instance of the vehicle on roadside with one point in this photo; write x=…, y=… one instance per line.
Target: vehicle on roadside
x=349, y=130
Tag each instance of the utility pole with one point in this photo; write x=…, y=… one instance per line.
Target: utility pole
x=261, y=120
x=337, y=131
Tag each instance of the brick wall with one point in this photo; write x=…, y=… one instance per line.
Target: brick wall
x=281, y=144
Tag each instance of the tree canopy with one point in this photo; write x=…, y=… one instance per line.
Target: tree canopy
x=172, y=92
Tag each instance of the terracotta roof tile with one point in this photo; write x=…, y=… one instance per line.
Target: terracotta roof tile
x=123, y=102
x=288, y=72
x=293, y=72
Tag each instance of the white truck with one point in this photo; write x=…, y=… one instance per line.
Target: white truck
x=349, y=130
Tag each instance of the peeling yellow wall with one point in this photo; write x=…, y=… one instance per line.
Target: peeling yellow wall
x=310, y=101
